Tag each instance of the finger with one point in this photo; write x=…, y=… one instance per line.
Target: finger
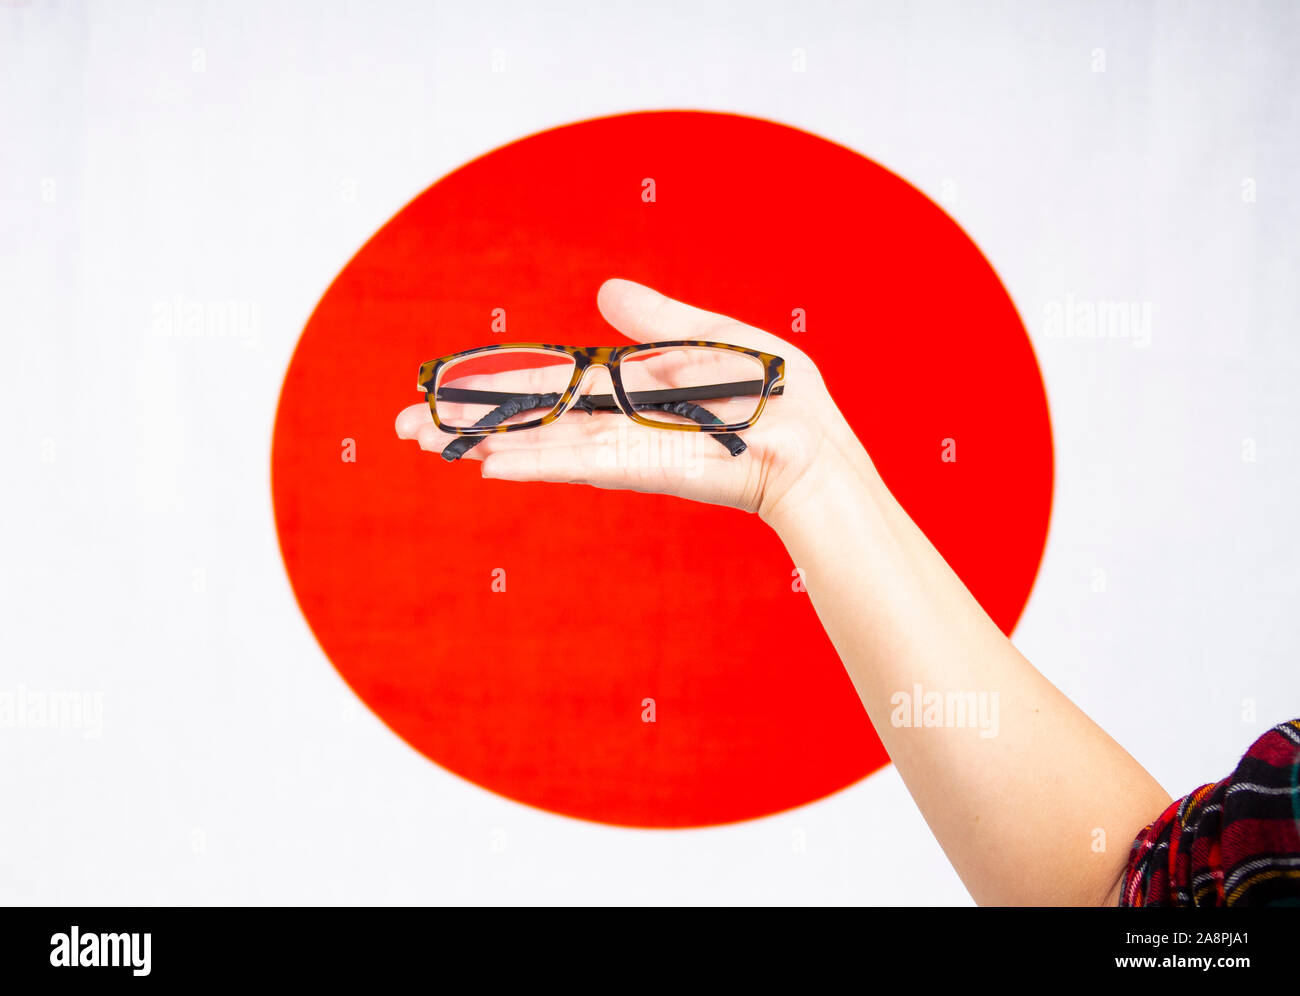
x=434, y=440
x=472, y=413
x=605, y=466
x=643, y=314
x=578, y=430
x=410, y=420
x=624, y=442
x=565, y=432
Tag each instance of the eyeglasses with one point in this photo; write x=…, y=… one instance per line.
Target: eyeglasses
x=661, y=385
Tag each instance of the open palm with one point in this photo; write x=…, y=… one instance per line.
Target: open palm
x=608, y=450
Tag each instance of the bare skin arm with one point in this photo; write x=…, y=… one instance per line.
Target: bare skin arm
x=1017, y=813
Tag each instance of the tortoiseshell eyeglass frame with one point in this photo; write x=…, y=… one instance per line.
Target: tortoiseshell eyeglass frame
x=584, y=358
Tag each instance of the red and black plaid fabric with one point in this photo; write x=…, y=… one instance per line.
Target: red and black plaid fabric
x=1232, y=843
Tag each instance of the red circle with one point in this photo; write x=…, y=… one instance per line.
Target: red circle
x=616, y=597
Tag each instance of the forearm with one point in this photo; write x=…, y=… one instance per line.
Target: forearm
x=1018, y=806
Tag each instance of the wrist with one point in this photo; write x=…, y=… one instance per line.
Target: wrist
x=837, y=475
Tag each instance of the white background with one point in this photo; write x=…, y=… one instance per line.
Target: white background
x=242, y=152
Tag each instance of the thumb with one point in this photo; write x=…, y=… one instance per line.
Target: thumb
x=643, y=314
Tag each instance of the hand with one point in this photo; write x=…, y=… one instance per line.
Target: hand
x=798, y=431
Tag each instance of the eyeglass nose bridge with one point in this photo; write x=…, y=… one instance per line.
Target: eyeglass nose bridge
x=585, y=361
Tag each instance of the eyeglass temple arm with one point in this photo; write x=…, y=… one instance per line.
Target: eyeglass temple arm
x=675, y=400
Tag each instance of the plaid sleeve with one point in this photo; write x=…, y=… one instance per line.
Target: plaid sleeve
x=1231, y=843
